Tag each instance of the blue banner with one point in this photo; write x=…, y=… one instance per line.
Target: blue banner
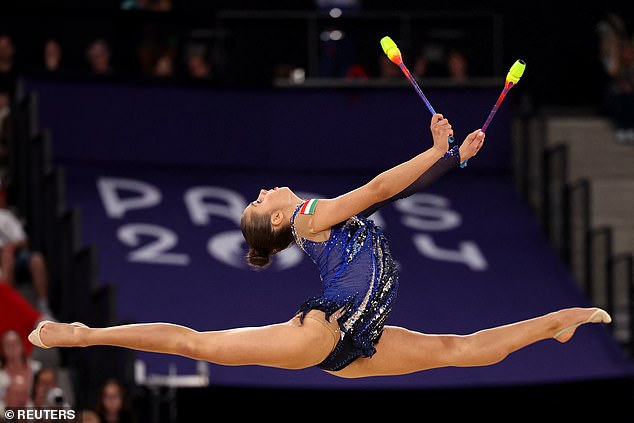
x=330, y=128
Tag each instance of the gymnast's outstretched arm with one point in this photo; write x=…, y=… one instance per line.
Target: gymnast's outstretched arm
x=387, y=184
x=450, y=160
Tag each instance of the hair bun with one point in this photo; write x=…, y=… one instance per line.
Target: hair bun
x=258, y=257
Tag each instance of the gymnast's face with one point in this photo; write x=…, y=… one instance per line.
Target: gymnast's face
x=272, y=201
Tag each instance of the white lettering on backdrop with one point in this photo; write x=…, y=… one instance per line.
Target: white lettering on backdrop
x=151, y=243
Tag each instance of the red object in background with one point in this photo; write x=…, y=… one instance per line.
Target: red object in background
x=16, y=313
x=357, y=71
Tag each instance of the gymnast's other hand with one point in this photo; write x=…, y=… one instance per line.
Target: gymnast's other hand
x=471, y=145
x=441, y=131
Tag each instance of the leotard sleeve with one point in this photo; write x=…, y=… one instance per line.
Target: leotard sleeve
x=450, y=160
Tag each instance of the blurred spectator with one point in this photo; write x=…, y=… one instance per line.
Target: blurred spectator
x=15, y=366
x=18, y=262
x=198, y=67
x=164, y=66
x=617, y=58
x=98, y=55
x=114, y=405
x=157, y=50
x=46, y=392
x=16, y=395
x=457, y=66
x=7, y=51
x=7, y=65
x=52, y=55
x=149, y=49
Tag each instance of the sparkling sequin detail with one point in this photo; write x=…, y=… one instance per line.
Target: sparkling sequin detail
x=358, y=275
x=452, y=153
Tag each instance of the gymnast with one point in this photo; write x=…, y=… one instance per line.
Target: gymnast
x=342, y=330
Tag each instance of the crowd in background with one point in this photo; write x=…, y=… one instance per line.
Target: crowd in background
x=153, y=61
x=194, y=62
x=30, y=377
x=25, y=382
x=168, y=49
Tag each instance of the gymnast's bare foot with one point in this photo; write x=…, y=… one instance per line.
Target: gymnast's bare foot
x=52, y=334
x=571, y=319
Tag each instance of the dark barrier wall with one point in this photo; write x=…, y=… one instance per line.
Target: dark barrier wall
x=283, y=128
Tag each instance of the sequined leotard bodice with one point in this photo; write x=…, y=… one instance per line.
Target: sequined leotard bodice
x=358, y=274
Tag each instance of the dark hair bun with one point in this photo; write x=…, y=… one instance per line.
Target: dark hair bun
x=258, y=257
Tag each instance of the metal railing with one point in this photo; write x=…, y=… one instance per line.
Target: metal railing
x=564, y=209
x=577, y=204
x=622, y=273
x=555, y=174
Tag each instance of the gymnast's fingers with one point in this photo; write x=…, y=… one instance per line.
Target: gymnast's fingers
x=435, y=119
x=472, y=137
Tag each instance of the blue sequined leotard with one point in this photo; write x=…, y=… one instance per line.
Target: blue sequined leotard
x=358, y=275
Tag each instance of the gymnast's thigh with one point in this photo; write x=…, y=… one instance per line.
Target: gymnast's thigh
x=400, y=351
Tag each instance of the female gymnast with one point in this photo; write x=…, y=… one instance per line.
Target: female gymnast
x=342, y=331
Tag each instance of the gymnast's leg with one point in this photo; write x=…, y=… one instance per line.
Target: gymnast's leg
x=290, y=345
x=401, y=351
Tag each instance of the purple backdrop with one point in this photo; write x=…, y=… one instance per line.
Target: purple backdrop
x=331, y=129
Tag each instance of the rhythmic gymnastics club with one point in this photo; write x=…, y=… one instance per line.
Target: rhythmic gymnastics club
x=394, y=54
x=512, y=78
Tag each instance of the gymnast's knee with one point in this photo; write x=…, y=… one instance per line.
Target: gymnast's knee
x=456, y=349
x=189, y=345
x=465, y=351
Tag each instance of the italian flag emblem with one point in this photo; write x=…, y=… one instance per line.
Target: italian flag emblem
x=308, y=207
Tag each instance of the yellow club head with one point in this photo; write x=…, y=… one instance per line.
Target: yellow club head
x=387, y=44
x=516, y=72
x=389, y=47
